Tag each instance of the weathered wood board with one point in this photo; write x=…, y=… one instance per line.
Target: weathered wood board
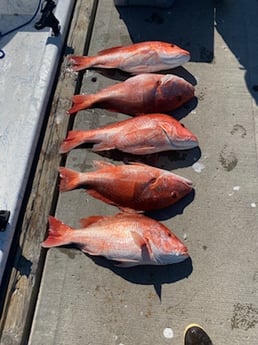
x=85, y=300
x=21, y=295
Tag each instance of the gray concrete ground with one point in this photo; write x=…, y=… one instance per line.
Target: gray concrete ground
x=88, y=301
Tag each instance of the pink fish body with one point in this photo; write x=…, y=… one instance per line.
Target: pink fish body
x=133, y=186
x=139, y=135
x=131, y=239
x=141, y=94
x=143, y=57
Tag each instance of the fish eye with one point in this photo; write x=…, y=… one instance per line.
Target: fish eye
x=174, y=195
x=172, y=45
x=169, y=234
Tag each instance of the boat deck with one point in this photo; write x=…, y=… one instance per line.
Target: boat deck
x=29, y=62
x=71, y=298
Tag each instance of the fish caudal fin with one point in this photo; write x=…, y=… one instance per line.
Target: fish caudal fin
x=79, y=63
x=81, y=102
x=73, y=139
x=69, y=179
x=59, y=234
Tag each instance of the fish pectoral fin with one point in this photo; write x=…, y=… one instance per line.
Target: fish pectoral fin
x=142, y=242
x=136, y=141
x=138, y=239
x=154, y=182
x=166, y=128
x=147, y=254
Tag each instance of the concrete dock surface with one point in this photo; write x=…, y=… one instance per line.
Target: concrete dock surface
x=87, y=300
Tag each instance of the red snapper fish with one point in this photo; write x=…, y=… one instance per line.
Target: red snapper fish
x=131, y=239
x=143, y=57
x=134, y=186
x=143, y=93
x=139, y=135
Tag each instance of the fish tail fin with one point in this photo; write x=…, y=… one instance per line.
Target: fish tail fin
x=59, y=234
x=81, y=102
x=79, y=63
x=73, y=139
x=69, y=179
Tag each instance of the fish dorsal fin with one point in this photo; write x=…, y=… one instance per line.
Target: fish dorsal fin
x=109, y=50
x=90, y=220
x=138, y=163
x=102, y=164
x=128, y=210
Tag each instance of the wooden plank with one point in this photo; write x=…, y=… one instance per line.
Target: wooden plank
x=27, y=266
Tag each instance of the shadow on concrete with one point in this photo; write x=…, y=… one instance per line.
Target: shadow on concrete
x=169, y=160
x=149, y=275
x=119, y=75
x=236, y=22
x=191, y=24
x=172, y=160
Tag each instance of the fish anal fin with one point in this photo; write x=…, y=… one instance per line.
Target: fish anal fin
x=138, y=239
x=127, y=264
x=102, y=147
x=99, y=196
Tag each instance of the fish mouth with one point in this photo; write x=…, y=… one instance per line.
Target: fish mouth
x=186, y=55
x=175, y=257
x=183, y=252
x=180, y=55
x=181, y=256
x=186, y=182
x=192, y=142
x=183, y=56
x=182, y=185
x=189, y=143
